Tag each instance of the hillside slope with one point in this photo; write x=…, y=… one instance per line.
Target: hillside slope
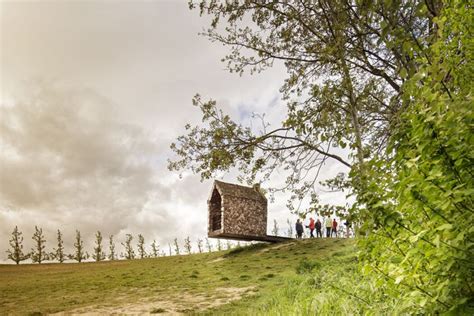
x=239, y=281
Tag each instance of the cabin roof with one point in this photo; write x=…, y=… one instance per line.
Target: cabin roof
x=239, y=191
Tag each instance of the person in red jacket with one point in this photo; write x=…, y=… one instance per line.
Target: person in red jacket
x=311, y=227
x=334, y=227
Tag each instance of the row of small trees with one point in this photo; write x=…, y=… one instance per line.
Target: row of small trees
x=38, y=253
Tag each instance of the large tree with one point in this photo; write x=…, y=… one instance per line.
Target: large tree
x=38, y=253
x=199, y=245
x=58, y=253
x=155, y=249
x=129, y=252
x=187, y=245
x=16, y=243
x=208, y=245
x=141, y=246
x=98, y=254
x=176, y=246
x=112, y=255
x=79, y=253
x=346, y=64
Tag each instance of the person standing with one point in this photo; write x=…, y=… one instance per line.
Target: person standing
x=334, y=228
x=299, y=229
x=348, y=226
x=328, y=227
x=318, y=228
x=311, y=227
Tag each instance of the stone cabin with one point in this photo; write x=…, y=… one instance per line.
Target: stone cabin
x=237, y=212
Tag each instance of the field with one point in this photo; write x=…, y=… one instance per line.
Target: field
x=257, y=279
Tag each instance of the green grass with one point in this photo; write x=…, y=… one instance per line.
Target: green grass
x=247, y=280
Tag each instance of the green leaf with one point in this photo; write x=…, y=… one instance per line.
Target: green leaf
x=399, y=279
x=445, y=227
x=403, y=73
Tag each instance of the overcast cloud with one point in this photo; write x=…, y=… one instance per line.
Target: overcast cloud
x=92, y=94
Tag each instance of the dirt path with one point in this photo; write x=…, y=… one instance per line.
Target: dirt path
x=175, y=304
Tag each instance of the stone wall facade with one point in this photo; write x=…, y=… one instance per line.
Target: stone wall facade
x=244, y=216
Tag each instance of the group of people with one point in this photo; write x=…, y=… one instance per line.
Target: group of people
x=331, y=228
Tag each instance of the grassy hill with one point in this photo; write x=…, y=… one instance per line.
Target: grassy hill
x=258, y=279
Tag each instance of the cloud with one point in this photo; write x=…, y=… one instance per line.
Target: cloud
x=67, y=159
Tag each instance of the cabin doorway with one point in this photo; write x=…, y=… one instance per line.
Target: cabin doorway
x=216, y=211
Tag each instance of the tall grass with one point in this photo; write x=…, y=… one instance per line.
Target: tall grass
x=332, y=287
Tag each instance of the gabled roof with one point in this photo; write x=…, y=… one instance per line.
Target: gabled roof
x=240, y=191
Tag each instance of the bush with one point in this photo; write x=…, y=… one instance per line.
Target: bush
x=418, y=206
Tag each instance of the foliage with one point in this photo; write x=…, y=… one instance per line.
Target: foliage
x=58, y=253
x=343, y=61
x=79, y=253
x=176, y=246
x=98, y=254
x=155, y=249
x=208, y=245
x=129, y=252
x=419, y=205
x=112, y=255
x=16, y=243
x=187, y=245
x=199, y=245
x=141, y=246
x=38, y=253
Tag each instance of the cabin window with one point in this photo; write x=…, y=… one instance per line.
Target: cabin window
x=216, y=211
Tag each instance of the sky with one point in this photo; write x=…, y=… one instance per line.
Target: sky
x=92, y=93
